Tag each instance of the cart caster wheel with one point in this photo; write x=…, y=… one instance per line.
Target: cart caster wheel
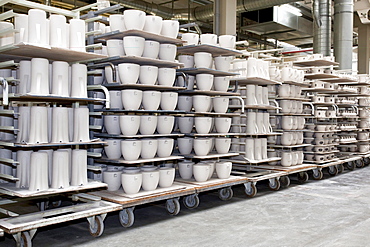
x=302, y=177
x=250, y=190
x=191, y=202
x=333, y=170
x=360, y=163
x=43, y=205
x=96, y=228
x=274, y=184
x=367, y=161
x=317, y=174
x=56, y=204
x=25, y=240
x=285, y=181
x=126, y=217
x=225, y=194
x=173, y=206
x=340, y=168
x=350, y=165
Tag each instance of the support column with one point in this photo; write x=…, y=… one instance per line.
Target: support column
x=343, y=33
x=224, y=19
x=363, y=49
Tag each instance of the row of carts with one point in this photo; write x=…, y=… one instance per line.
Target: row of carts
x=94, y=206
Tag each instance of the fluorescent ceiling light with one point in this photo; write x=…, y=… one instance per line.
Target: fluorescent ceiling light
x=291, y=9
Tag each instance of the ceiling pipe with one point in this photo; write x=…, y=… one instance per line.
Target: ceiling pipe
x=343, y=33
x=322, y=27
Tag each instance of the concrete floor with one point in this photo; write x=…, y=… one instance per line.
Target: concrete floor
x=331, y=212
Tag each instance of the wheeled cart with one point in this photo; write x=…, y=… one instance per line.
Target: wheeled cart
x=24, y=227
x=128, y=202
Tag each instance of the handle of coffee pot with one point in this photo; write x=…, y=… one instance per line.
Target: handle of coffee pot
x=240, y=99
x=105, y=90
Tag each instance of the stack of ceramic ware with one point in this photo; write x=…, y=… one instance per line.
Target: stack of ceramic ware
x=251, y=67
x=44, y=169
x=204, y=170
x=254, y=149
x=224, y=41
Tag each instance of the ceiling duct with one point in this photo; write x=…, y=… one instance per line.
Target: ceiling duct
x=322, y=27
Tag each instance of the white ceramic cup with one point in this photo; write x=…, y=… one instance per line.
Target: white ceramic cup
x=185, y=145
x=133, y=45
x=165, y=147
x=202, y=146
x=151, y=49
x=148, y=124
x=131, y=99
x=129, y=73
x=186, y=169
x=112, y=149
x=190, y=38
x=131, y=182
x=166, y=177
x=223, y=145
x=115, y=47
x=113, y=179
x=185, y=124
x=222, y=124
x=165, y=124
x=134, y=19
x=222, y=63
x=167, y=52
x=166, y=76
x=208, y=39
x=203, y=124
x=204, y=81
x=117, y=22
x=149, y=148
x=168, y=101
x=131, y=149
x=220, y=104
x=202, y=60
x=151, y=100
x=201, y=103
x=187, y=60
x=112, y=124
x=227, y=41
x=153, y=24
x=221, y=83
x=223, y=169
x=201, y=172
x=185, y=103
x=148, y=74
x=129, y=124
x=170, y=28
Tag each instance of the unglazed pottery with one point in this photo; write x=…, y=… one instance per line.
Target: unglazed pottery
x=204, y=81
x=165, y=147
x=37, y=27
x=134, y=19
x=222, y=63
x=60, y=128
x=79, y=167
x=208, y=39
x=166, y=177
x=201, y=172
x=112, y=124
x=151, y=100
x=223, y=169
x=185, y=124
x=129, y=124
x=39, y=125
x=76, y=35
x=150, y=180
x=131, y=99
x=148, y=148
x=202, y=146
x=165, y=124
x=187, y=60
x=202, y=103
x=185, y=103
x=190, y=38
x=130, y=149
x=133, y=45
x=113, y=149
x=129, y=73
x=186, y=169
x=170, y=28
x=222, y=145
x=38, y=171
x=222, y=124
x=39, y=76
x=117, y=22
x=112, y=179
x=203, y=60
x=221, y=83
x=131, y=182
x=168, y=101
x=58, y=31
x=185, y=145
x=60, y=169
x=79, y=81
x=166, y=76
x=60, y=83
x=220, y=104
x=227, y=41
x=23, y=168
x=21, y=24
x=148, y=74
x=167, y=52
x=115, y=47
x=203, y=125
x=151, y=49
x=81, y=125
x=148, y=124
x=153, y=24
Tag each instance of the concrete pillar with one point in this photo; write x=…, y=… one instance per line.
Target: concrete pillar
x=224, y=19
x=363, y=49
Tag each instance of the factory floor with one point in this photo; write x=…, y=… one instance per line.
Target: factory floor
x=334, y=211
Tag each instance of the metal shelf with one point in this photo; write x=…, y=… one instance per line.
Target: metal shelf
x=215, y=50
x=139, y=60
x=255, y=81
x=258, y=107
x=195, y=71
x=118, y=86
x=105, y=135
x=48, y=98
x=320, y=76
x=314, y=63
x=42, y=145
x=146, y=35
x=210, y=156
x=210, y=93
x=139, y=161
x=22, y=51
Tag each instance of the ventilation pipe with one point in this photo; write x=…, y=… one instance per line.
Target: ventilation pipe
x=343, y=33
x=322, y=27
